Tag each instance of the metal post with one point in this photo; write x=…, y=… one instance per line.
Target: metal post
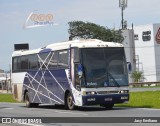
x=6, y=83
x=122, y=18
x=122, y=5
x=10, y=86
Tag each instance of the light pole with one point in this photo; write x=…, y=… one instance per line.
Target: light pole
x=123, y=5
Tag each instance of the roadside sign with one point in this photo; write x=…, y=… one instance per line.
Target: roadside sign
x=158, y=36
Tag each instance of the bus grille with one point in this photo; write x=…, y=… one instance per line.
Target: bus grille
x=107, y=92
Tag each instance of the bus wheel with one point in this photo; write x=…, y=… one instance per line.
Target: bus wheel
x=28, y=104
x=108, y=106
x=69, y=102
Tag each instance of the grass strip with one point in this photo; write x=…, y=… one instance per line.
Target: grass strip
x=7, y=98
x=147, y=99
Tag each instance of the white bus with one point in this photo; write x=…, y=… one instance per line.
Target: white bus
x=72, y=73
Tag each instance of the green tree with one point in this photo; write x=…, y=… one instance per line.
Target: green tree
x=80, y=29
x=136, y=75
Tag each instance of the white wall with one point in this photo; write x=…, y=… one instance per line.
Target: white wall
x=146, y=52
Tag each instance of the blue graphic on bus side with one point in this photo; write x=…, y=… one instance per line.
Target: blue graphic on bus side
x=46, y=86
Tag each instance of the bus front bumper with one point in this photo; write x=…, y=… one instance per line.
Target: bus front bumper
x=105, y=99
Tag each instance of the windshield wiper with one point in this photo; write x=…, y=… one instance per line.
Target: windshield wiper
x=114, y=81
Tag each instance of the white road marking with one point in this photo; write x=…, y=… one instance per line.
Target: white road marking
x=66, y=112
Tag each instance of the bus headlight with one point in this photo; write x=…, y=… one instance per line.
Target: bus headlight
x=124, y=91
x=89, y=93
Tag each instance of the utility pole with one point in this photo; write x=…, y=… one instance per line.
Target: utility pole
x=122, y=5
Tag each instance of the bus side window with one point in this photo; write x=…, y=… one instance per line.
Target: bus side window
x=24, y=63
x=14, y=64
x=77, y=79
x=54, y=60
x=63, y=59
x=33, y=61
x=44, y=59
x=17, y=64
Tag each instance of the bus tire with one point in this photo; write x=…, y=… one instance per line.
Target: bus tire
x=108, y=106
x=27, y=100
x=28, y=103
x=69, y=102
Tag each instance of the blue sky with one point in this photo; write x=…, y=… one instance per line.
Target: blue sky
x=13, y=14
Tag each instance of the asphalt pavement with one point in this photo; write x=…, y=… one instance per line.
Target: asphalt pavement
x=85, y=116
x=19, y=110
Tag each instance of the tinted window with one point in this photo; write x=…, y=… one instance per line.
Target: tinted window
x=94, y=65
x=104, y=67
x=63, y=59
x=33, y=61
x=24, y=63
x=54, y=60
x=76, y=54
x=44, y=59
x=18, y=63
x=14, y=66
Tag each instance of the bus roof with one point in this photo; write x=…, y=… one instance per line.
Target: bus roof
x=82, y=43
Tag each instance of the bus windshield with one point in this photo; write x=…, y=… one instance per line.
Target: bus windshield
x=104, y=67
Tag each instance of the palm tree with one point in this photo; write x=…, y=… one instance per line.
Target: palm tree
x=136, y=75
